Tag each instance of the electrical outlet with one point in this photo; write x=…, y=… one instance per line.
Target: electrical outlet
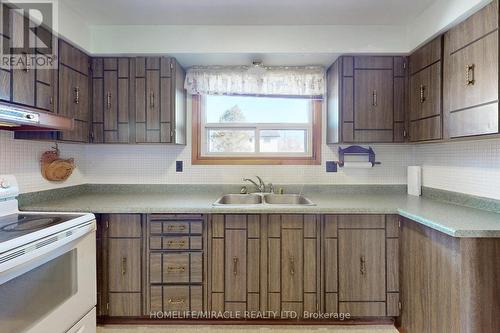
x=178, y=166
x=331, y=166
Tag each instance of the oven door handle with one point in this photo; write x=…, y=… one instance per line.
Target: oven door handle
x=21, y=259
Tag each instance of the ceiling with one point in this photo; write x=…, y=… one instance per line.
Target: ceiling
x=248, y=12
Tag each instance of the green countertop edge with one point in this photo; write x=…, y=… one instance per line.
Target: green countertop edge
x=462, y=199
x=31, y=198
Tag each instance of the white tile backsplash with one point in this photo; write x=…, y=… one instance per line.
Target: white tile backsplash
x=471, y=167
x=22, y=158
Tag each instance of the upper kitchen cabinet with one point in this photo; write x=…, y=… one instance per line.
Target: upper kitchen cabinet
x=112, y=96
x=471, y=75
x=366, y=99
x=425, y=67
x=26, y=84
x=160, y=101
x=74, y=91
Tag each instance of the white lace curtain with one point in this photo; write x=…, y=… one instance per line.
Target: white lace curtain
x=238, y=80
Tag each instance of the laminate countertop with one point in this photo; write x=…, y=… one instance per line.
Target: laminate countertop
x=434, y=211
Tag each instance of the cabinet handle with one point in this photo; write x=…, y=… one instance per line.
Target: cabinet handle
x=422, y=93
x=469, y=75
x=292, y=265
x=374, y=98
x=235, y=265
x=77, y=95
x=176, y=300
x=124, y=265
x=362, y=265
x=51, y=100
x=176, y=268
x=151, y=99
x=108, y=100
x=176, y=228
x=176, y=242
x=27, y=66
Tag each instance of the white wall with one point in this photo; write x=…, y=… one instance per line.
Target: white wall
x=22, y=158
x=471, y=167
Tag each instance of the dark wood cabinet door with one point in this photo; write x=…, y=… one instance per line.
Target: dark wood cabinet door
x=236, y=266
x=235, y=271
x=110, y=115
x=293, y=263
x=373, y=103
x=23, y=86
x=361, y=265
x=123, y=265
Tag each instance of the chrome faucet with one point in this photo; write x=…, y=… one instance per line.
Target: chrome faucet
x=261, y=186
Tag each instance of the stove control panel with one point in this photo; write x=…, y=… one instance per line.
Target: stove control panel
x=8, y=187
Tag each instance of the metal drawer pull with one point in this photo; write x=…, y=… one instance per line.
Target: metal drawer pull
x=51, y=100
x=124, y=265
x=469, y=75
x=27, y=67
x=176, y=268
x=362, y=265
x=176, y=242
x=292, y=265
x=176, y=228
x=108, y=100
x=152, y=99
x=77, y=95
x=235, y=265
x=422, y=93
x=176, y=300
x=374, y=98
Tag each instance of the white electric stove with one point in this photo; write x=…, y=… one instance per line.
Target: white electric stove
x=47, y=268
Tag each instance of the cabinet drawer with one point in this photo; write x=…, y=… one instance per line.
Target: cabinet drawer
x=176, y=243
x=176, y=267
x=361, y=221
x=176, y=298
x=176, y=227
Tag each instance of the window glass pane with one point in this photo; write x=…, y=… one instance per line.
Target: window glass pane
x=247, y=109
x=231, y=141
x=283, y=141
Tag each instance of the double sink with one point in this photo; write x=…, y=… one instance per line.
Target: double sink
x=269, y=199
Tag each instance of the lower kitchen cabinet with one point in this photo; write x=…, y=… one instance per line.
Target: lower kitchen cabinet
x=119, y=261
x=175, y=259
x=361, y=264
x=293, y=263
x=235, y=263
x=248, y=262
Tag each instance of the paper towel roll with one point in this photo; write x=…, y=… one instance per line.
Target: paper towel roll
x=415, y=180
x=357, y=165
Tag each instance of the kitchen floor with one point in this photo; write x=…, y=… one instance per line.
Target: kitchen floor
x=247, y=329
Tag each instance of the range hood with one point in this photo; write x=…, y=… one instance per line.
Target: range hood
x=21, y=118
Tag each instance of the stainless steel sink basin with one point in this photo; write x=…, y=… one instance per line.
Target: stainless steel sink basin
x=287, y=199
x=239, y=199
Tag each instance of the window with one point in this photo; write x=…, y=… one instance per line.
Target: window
x=255, y=130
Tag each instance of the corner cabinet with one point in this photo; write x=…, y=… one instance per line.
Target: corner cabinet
x=366, y=99
x=471, y=75
x=425, y=90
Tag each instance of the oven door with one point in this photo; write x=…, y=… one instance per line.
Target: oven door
x=53, y=290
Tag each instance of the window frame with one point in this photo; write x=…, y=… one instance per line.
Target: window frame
x=200, y=156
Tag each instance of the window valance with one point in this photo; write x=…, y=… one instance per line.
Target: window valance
x=306, y=81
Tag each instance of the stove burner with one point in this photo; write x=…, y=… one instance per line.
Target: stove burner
x=33, y=223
